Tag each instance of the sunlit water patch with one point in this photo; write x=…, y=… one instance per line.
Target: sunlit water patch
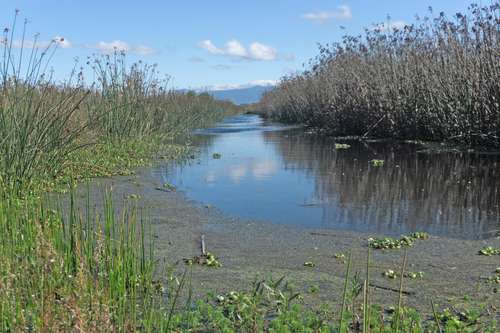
x=252, y=169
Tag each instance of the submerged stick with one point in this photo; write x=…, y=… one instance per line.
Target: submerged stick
x=203, y=248
x=404, y=292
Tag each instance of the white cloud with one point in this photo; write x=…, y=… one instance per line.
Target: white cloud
x=116, y=45
x=396, y=25
x=121, y=46
x=56, y=41
x=210, y=47
x=342, y=13
x=262, y=52
x=143, y=50
x=234, y=49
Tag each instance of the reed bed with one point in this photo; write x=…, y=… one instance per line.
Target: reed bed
x=437, y=79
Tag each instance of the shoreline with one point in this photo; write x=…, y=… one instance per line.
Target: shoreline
x=249, y=249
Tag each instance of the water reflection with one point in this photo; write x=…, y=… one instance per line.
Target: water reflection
x=285, y=176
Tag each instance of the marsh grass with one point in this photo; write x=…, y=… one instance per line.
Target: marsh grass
x=46, y=124
x=37, y=126
x=435, y=80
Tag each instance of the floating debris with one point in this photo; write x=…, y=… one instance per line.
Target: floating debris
x=216, y=156
x=309, y=264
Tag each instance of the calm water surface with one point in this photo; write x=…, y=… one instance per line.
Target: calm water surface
x=280, y=174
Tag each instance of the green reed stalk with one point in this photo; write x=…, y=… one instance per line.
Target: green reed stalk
x=344, y=293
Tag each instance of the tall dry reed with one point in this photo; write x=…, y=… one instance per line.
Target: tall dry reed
x=437, y=79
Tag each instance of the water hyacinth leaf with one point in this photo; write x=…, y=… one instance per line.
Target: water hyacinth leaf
x=489, y=251
x=392, y=243
x=342, y=146
x=309, y=264
x=377, y=163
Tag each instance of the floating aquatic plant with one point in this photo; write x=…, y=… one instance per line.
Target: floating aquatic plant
x=377, y=163
x=342, y=146
x=392, y=243
x=489, y=251
x=208, y=259
x=340, y=257
x=391, y=274
x=419, y=235
x=216, y=156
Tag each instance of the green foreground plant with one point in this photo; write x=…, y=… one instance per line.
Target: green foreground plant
x=66, y=270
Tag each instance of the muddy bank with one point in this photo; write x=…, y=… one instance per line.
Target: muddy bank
x=249, y=249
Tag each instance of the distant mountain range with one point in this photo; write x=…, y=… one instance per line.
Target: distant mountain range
x=244, y=95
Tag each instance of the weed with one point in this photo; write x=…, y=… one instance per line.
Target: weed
x=489, y=251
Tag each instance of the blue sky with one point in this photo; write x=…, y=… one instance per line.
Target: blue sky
x=209, y=43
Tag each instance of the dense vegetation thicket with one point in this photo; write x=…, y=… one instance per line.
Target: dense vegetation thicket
x=437, y=79
x=44, y=122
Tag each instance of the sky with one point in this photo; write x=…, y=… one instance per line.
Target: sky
x=208, y=44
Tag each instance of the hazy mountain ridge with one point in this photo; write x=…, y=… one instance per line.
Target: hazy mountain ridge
x=247, y=95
